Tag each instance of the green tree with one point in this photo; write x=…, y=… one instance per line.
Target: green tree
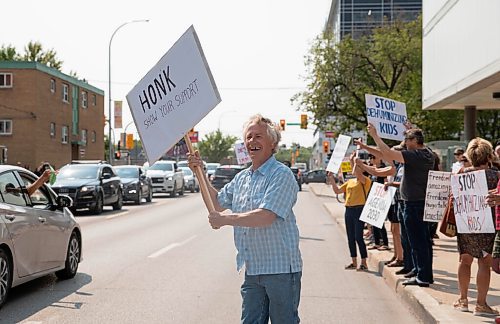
x=285, y=154
x=216, y=146
x=33, y=52
x=386, y=63
x=487, y=125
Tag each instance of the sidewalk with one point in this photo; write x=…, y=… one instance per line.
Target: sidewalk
x=433, y=304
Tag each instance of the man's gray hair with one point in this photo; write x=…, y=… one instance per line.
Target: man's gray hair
x=273, y=130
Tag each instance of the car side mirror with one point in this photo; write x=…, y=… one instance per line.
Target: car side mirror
x=64, y=201
x=106, y=175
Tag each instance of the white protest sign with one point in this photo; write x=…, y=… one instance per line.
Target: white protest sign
x=173, y=96
x=242, y=153
x=472, y=214
x=377, y=205
x=387, y=115
x=338, y=153
x=436, y=195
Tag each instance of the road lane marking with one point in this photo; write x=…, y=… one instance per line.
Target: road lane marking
x=117, y=215
x=170, y=247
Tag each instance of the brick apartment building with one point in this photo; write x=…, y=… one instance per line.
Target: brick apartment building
x=46, y=115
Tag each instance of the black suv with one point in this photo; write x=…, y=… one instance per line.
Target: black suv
x=224, y=174
x=91, y=184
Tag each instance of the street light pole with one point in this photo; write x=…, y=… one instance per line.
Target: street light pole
x=111, y=144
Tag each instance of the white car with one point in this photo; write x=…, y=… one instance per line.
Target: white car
x=211, y=167
x=166, y=177
x=190, y=180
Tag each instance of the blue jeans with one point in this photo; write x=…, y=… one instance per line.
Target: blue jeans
x=354, y=228
x=407, y=255
x=274, y=296
x=420, y=240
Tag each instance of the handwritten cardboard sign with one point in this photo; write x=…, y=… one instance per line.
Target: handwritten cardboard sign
x=242, y=153
x=436, y=195
x=173, y=96
x=387, y=115
x=377, y=205
x=472, y=213
x=338, y=153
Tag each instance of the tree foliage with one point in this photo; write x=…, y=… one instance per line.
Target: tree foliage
x=285, y=154
x=387, y=63
x=33, y=52
x=216, y=146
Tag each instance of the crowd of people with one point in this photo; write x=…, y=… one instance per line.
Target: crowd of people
x=406, y=167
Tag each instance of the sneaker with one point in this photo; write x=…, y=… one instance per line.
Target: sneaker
x=461, y=305
x=485, y=310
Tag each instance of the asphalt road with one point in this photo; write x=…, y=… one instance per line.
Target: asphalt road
x=161, y=263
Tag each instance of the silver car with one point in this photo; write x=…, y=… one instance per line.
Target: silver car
x=39, y=234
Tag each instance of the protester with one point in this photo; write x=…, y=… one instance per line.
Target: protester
x=480, y=246
x=356, y=191
x=458, y=164
x=493, y=200
x=418, y=160
x=266, y=236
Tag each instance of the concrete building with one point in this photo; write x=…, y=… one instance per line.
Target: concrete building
x=461, y=57
x=46, y=115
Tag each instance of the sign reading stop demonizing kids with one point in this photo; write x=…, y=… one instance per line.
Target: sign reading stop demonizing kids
x=173, y=96
x=472, y=214
x=377, y=205
x=387, y=115
x=338, y=153
x=436, y=195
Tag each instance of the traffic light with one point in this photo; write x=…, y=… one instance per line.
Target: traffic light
x=326, y=147
x=130, y=141
x=282, y=124
x=118, y=153
x=303, y=121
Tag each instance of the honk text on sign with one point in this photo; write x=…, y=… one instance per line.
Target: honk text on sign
x=387, y=115
x=173, y=96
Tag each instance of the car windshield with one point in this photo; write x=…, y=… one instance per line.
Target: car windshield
x=78, y=172
x=211, y=167
x=187, y=171
x=295, y=170
x=226, y=172
x=127, y=172
x=182, y=164
x=162, y=167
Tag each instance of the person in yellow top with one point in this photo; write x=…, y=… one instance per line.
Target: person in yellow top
x=356, y=191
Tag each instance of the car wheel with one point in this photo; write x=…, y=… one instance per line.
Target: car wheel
x=72, y=258
x=192, y=188
x=174, y=191
x=5, y=276
x=98, y=205
x=138, y=201
x=198, y=189
x=119, y=203
x=181, y=193
x=150, y=195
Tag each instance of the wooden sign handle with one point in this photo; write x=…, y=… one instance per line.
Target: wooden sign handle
x=200, y=174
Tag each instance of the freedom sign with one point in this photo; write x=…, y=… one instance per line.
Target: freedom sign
x=338, y=153
x=387, y=115
x=472, y=214
x=436, y=195
x=377, y=205
x=242, y=153
x=173, y=96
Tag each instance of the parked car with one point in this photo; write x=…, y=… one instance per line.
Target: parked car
x=224, y=174
x=190, y=180
x=184, y=164
x=166, y=178
x=91, y=184
x=298, y=178
x=315, y=176
x=211, y=167
x=136, y=185
x=38, y=233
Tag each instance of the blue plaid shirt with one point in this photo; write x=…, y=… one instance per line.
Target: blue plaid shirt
x=271, y=249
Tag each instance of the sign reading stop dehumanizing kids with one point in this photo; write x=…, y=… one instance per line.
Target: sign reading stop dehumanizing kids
x=472, y=213
x=173, y=96
x=377, y=205
x=387, y=115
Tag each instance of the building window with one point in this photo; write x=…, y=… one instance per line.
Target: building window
x=94, y=100
x=65, y=93
x=84, y=99
x=52, y=85
x=5, y=80
x=94, y=137
x=64, y=135
x=52, y=130
x=84, y=136
x=5, y=127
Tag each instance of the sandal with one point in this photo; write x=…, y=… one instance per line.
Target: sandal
x=362, y=268
x=383, y=248
x=351, y=266
x=390, y=261
x=396, y=263
x=373, y=247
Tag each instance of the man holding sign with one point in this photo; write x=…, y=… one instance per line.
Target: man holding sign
x=266, y=236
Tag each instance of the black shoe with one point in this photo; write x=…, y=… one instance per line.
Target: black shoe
x=402, y=271
x=414, y=282
x=410, y=274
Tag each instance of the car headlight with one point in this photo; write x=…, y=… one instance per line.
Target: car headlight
x=87, y=188
x=169, y=178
